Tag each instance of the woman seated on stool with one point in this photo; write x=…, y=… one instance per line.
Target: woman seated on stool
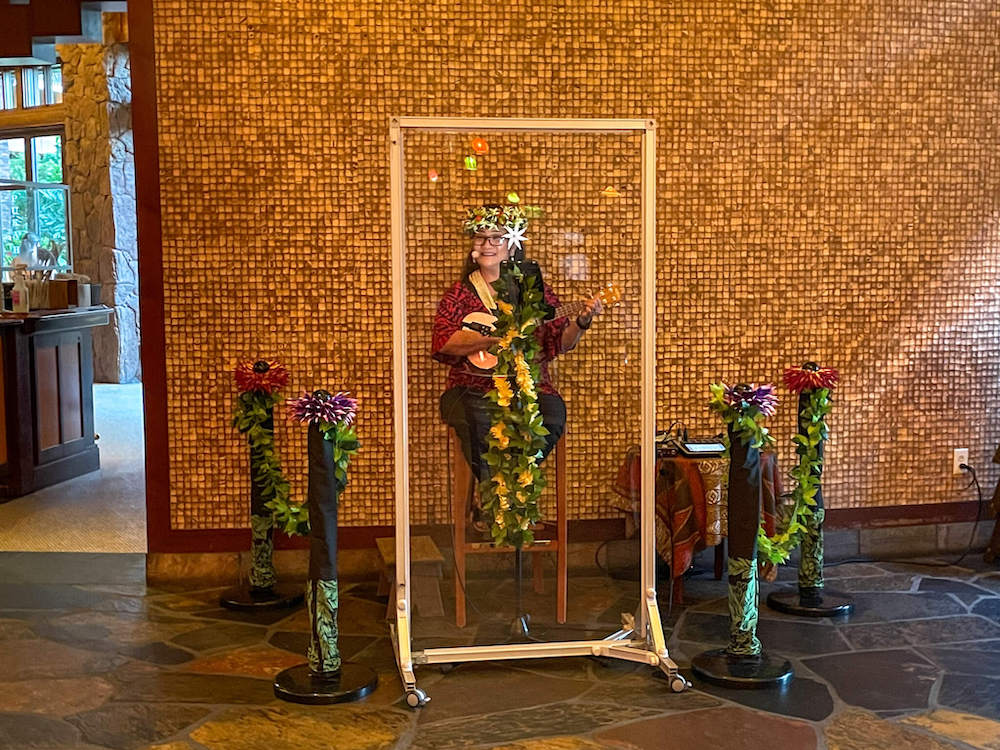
x=496, y=233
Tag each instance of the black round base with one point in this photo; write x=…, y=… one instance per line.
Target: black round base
x=298, y=685
x=822, y=603
x=247, y=599
x=743, y=672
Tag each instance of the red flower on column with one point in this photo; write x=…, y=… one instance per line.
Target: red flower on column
x=810, y=377
x=264, y=375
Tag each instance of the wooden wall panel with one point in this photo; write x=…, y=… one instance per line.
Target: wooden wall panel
x=70, y=401
x=47, y=397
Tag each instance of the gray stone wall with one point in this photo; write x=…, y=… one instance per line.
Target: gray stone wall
x=100, y=169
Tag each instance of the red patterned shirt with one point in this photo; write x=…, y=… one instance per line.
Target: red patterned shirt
x=461, y=300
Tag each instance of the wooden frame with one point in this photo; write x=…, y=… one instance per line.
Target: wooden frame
x=644, y=642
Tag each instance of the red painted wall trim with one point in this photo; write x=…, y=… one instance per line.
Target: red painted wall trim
x=903, y=515
x=153, y=347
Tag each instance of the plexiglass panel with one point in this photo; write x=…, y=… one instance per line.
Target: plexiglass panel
x=582, y=195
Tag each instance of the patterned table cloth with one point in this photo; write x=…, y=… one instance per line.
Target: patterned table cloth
x=690, y=502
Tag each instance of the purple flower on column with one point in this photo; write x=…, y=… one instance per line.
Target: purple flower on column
x=743, y=397
x=322, y=406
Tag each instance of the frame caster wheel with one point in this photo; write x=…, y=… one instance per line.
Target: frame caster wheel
x=416, y=698
x=678, y=684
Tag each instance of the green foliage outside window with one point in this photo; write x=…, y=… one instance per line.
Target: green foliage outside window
x=20, y=207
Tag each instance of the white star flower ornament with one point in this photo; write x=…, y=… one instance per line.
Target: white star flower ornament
x=514, y=237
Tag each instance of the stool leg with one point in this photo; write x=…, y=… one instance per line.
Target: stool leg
x=562, y=546
x=536, y=572
x=460, y=503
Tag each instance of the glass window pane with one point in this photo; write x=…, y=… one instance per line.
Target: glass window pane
x=33, y=80
x=8, y=89
x=55, y=84
x=13, y=222
x=51, y=228
x=12, y=159
x=48, y=158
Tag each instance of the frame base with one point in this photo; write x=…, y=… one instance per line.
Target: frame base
x=743, y=672
x=247, y=599
x=622, y=644
x=817, y=603
x=300, y=685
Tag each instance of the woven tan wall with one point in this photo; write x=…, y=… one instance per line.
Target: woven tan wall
x=828, y=188
x=583, y=239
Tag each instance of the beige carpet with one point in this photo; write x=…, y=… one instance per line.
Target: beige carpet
x=104, y=511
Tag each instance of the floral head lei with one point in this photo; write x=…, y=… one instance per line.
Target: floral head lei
x=510, y=219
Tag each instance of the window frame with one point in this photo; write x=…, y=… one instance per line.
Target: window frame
x=30, y=183
x=20, y=74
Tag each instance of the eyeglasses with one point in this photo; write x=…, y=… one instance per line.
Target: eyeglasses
x=494, y=241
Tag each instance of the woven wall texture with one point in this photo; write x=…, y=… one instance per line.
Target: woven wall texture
x=828, y=188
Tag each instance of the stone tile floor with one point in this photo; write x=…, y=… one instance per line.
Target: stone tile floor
x=122, y=666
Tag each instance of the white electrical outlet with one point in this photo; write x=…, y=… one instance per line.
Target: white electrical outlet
x=959, y=456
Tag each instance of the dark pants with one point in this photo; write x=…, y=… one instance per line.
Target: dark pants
x=468, y=412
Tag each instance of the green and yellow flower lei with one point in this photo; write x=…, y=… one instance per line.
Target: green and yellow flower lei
x=517, y=435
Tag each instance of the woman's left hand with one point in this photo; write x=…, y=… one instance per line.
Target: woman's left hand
x=594, y=308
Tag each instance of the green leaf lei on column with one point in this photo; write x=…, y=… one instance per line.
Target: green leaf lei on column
x=517, y=435
x=814, y=384
x=259, y=383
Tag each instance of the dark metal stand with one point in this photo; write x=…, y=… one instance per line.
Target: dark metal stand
x=744, y=663
x=520, y=626
x=261, y=591
x=301, y=685
x=745, y=672
x=326, y=678
x=249, y=599
x=805, y=603
x=811, y=598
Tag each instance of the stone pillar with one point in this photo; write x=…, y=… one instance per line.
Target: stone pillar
x=100, y=169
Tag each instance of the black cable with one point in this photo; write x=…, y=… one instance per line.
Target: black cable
x=941, y=564
x=597, y=554
x=979, y=510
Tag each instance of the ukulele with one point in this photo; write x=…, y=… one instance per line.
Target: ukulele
x=483, y=322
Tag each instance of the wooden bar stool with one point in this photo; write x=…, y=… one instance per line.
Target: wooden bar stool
x=463, y=490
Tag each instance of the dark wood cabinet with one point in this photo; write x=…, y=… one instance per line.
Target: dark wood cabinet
x=47, y=389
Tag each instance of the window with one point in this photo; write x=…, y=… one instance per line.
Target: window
x=34, y=201
x=9, y=89
x=30, y=86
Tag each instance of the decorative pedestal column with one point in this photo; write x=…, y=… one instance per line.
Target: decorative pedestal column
x=259, y=383
x=812, y=599
x=326, y=678
x=743, y=663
